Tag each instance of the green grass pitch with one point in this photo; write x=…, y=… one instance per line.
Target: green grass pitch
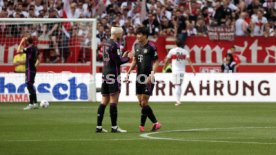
x=190, y=129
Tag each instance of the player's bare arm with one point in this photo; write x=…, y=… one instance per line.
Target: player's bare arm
x=132, y=66
x=20, y=47
x=166, y=62
x=192, y=66
x=37, y=63
x=154, y=69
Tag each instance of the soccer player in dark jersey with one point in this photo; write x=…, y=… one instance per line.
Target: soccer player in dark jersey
x=146, y=59
x=111, y=84
x=32, y=60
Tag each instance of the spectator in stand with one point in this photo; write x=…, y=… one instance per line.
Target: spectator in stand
x=201, y=28
x=4, y=13
x=259, y=25
x=241, y=26
x=191, y=31
x=31, y=13
x=151, y=24
x=53, y=57
x=101, y=32
x=180, y=24
x=166, y=26
x=131, y=31
x=53, y=30
x=223, y=13
x=126, y=26
x=38, y=4
x=75, y=12
x=253, y=6
x=272, y=30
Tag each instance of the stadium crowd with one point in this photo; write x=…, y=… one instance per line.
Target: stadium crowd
x=176, y=18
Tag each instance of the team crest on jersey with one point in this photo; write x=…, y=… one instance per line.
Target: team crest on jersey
x=145, y=51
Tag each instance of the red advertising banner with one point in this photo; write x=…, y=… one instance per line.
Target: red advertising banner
x=257, y=54
x=250, y=50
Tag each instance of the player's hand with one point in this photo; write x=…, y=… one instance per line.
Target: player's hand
x=23, y=39
x=150, y=79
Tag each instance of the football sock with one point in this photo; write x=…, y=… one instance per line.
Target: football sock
x=143, y=116
x=150, y=114
x=178, y=93
x=113, y=114
x=100, y=117
x=114, y=127
x=31, y=90
x=31, y=98
x=35, y=98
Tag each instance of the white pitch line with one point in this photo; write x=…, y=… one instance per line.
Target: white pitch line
x=149, y=135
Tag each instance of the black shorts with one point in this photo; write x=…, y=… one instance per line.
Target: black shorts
x=30, y=76
x=110, y=89
x=145, y=89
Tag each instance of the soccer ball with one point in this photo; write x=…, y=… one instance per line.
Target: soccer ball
x=44, y=104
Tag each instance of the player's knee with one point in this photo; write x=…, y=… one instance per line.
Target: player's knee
x=144, y=102
x=105, y=100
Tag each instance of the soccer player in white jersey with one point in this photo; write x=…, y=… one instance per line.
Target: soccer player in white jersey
x=179, y=57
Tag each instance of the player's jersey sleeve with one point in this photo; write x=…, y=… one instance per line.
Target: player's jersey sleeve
x=115, y=54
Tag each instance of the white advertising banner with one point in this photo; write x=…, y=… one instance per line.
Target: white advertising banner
x=210, y=87
x=49, y=86
x=204, y=87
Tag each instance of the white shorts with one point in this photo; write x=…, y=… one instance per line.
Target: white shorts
x=178, y=78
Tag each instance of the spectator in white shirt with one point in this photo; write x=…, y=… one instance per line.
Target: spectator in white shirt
x=241, y=25
x=259, y=25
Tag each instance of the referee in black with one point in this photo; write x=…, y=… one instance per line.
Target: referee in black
x=145, y=57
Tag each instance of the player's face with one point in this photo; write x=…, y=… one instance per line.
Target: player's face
x=140, y=37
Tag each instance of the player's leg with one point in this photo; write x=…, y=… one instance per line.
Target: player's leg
x=148, y=89
x=178, y=80
x=114, y=100
x=144, y=114
x=148, y=110
x=102, y=107
x=30, y=76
